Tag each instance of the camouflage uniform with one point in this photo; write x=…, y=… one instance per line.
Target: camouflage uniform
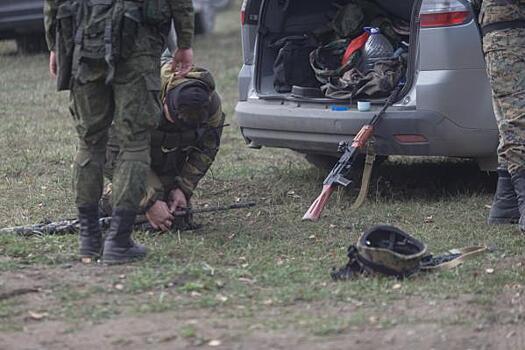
x=504, y=48
x=181, y=153
x=119, y=85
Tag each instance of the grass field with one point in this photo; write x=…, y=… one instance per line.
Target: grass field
x=250, y=279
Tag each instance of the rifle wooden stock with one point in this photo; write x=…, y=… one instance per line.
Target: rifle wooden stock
x=315, y=210
x=363, y=136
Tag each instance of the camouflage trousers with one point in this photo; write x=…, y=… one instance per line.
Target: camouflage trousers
x=506, y=71
x=505, y=57
x=130, y=103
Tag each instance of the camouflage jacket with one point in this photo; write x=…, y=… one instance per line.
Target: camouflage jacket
x=502, y=16
x=181, y=11
x=181, y=154
x=497, y=11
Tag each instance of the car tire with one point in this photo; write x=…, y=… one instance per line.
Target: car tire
x=31, y=44
x=205, y=20
x=320, y=161
x=324, y=162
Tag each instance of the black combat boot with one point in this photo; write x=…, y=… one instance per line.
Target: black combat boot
x=518, y=180
x=119, y=248
x=90, y=233
x=504, y=209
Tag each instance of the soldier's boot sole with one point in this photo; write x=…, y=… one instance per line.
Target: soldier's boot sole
x=503, y=220
x=115, y=254
x=90, y=253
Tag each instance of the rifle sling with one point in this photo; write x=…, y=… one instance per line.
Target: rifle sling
x=367, y=173
x=464, y=254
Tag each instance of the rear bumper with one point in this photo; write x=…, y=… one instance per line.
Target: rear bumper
x=315, y=128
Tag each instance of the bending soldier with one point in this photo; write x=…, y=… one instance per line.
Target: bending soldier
x=183, y=147
x=503, y=27
x=107, y=53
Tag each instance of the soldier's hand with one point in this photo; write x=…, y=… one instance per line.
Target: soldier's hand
x=177, y=200
x=159, y=216
x=182, y=62
x=53, y=64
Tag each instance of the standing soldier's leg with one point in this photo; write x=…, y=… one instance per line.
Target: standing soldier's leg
x=92, y=111
x=505, y=52
x=137, y=108
x=504, y=208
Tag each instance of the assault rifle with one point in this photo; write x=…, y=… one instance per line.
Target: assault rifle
x=340, y=172
x=141, y=223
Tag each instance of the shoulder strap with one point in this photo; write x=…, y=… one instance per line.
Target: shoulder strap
x=367, y=173
x=457, y=259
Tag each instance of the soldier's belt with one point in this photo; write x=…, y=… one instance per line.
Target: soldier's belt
x=494, y=27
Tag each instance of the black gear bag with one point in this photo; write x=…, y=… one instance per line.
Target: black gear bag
x=292, y=66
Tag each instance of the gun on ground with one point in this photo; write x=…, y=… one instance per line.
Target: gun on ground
x=141, y=223
x=340, y=172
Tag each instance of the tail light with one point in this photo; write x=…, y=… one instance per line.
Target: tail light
x=443, y=13
x=243, y=12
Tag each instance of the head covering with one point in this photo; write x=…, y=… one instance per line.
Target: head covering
x=383, y=249
x=189, y=103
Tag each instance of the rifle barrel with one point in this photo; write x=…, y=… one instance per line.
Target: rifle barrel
x=70, y=226
x=214, y=209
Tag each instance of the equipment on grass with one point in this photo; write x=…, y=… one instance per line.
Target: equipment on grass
x=141, y=223
x=390, y=251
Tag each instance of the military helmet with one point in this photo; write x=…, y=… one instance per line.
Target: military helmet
x=388, y=250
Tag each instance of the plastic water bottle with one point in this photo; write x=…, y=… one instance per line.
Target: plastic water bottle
x=376, y=47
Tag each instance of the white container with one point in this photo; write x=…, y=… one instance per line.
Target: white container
x=363, y=106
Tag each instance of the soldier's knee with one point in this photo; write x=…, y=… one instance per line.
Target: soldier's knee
x=136, y=150
x=87, y=155
x=135, y=155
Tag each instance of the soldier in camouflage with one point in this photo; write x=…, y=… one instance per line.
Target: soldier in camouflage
x=183, y=146
x=503, y=26
x=107, y=53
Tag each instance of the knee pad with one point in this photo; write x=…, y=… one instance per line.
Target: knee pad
x=139, y=153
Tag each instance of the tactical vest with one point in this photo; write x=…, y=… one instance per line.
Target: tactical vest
x=102, y=30
x=501, y=15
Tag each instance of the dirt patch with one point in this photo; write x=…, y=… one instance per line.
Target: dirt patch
x=424, y=326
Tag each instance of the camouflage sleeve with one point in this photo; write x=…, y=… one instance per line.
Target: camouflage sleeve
x=201, y=157
x=182, y=14
x=154, y=192
x=50, y=10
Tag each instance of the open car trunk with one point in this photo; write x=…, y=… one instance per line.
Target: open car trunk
x=314, y=20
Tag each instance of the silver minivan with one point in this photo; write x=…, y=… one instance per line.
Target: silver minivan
x=444, y=109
